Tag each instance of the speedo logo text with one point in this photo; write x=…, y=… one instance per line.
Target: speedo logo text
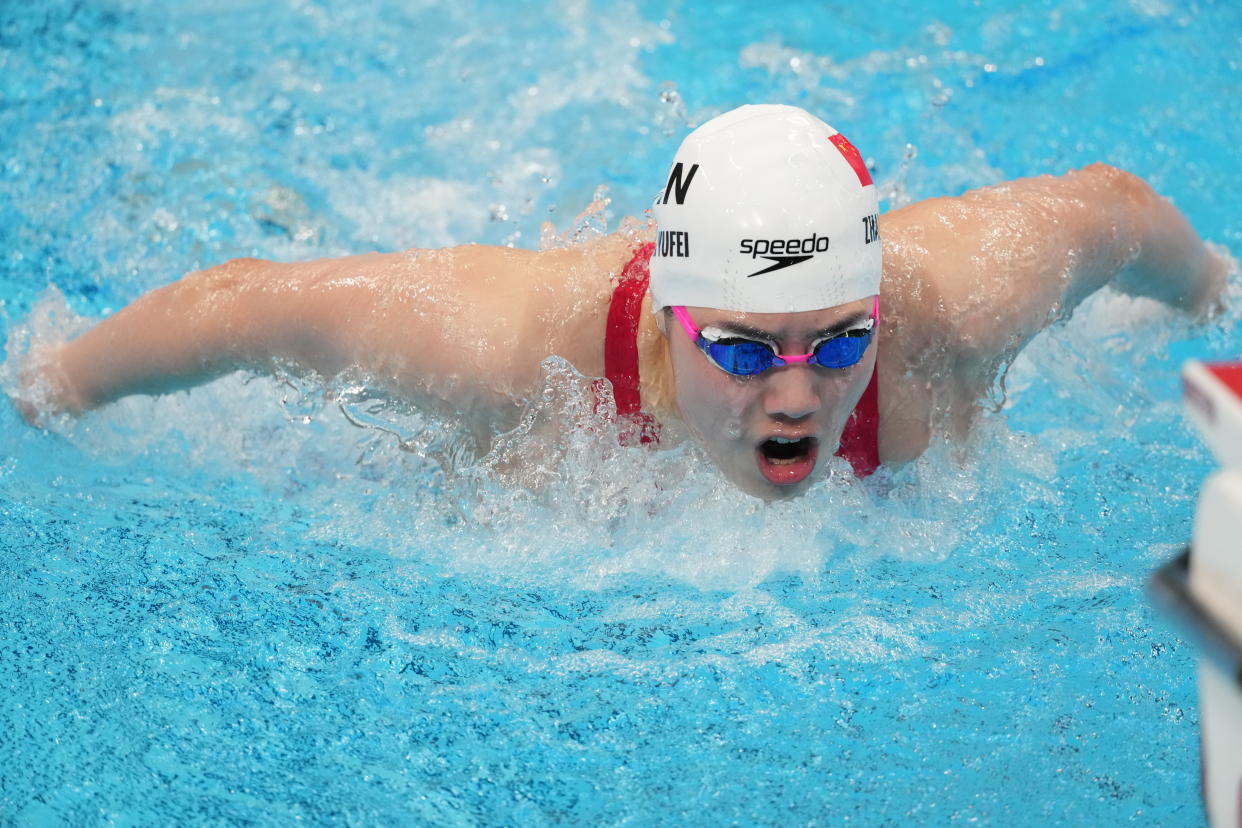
x=784, y=252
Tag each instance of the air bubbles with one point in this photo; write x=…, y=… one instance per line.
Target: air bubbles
x=164, y=220
x=671, y=118
x=939, y=33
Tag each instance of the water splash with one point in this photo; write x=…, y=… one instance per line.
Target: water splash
x=276, y=587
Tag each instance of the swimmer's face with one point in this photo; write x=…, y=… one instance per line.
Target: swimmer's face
x=770, y=432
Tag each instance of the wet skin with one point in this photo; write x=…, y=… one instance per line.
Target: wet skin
x=967, y=282
x=734, y=417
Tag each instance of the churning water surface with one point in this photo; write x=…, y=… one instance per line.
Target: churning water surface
x=259, y=602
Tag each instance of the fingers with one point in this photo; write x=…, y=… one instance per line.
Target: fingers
x=1212, y=294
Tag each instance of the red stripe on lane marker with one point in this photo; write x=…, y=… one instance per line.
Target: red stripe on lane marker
x=1230, y=373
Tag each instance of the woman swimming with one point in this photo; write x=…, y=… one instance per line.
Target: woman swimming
x=758, y=311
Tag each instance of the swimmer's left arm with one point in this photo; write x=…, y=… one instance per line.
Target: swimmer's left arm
x=988, y=270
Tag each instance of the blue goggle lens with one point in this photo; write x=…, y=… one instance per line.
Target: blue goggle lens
x=747, y=358
x=841, y=351
x=744, y=358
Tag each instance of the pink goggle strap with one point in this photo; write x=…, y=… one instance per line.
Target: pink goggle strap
x=684, y=318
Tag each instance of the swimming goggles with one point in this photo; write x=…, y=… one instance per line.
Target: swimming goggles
x=747, y=357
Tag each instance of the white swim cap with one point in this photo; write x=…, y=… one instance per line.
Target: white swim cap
x=767, y=209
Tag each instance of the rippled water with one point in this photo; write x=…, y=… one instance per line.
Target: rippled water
x=235, y=604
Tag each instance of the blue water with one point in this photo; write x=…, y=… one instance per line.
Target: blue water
x=233, y=605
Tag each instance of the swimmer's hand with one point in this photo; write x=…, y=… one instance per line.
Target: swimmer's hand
x=1213, y=279
x=43, y=390
x=1171, y=263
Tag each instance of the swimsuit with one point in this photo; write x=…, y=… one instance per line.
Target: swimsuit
x=859, y=441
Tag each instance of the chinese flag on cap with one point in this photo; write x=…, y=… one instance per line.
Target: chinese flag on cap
x=852, y=155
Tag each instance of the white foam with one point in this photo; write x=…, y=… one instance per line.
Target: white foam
x=559, y=499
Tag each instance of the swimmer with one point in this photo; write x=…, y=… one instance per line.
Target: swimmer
x=768, y=312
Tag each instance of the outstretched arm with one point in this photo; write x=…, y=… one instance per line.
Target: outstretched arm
x=240, y=314
x=466, y=326
x=971, y=280
x=1005, y=261
x=208, y=323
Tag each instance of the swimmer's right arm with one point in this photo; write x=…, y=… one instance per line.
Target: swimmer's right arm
x=461, y=325
x=235, y=315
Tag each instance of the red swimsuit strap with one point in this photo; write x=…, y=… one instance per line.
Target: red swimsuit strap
x=859, y=441
x=621, y=346
x=621, y=335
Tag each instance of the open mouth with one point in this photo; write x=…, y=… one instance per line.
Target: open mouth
x=785, y=461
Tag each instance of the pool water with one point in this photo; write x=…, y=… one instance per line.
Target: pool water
x=260, y=602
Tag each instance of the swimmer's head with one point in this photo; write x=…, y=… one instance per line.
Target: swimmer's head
x=766, y=209
x=768, y=239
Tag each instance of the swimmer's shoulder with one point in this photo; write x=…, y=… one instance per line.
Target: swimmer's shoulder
x=921, y=390
x=559, y=265
x=968, y=279
x=603, y=257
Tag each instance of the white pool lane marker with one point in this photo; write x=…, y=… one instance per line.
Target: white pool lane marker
x=1213, y=396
